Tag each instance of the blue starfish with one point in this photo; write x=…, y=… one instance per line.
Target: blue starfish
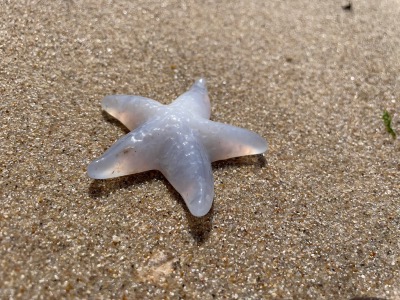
x=177, y=139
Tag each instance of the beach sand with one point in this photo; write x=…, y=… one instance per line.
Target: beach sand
x=315, y=217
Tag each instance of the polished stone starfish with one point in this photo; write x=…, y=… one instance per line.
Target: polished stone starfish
x=177, y=139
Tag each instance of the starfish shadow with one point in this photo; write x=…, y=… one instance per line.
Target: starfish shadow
x=258, y=161
x=200, y=228
x=114, y=121
x=104, y=187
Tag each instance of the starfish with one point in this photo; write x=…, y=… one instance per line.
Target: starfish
x=177, y=139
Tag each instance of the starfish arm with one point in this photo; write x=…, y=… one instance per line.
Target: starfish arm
x=130, y=110
x=195, y=100
x=224, y=141
x=133, y=153
x=186, y=166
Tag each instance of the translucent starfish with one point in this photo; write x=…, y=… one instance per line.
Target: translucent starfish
x=177, y=139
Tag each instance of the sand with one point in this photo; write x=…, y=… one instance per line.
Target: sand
x=315, y=217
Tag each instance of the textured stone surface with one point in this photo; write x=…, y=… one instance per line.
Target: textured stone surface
x=318, y=217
